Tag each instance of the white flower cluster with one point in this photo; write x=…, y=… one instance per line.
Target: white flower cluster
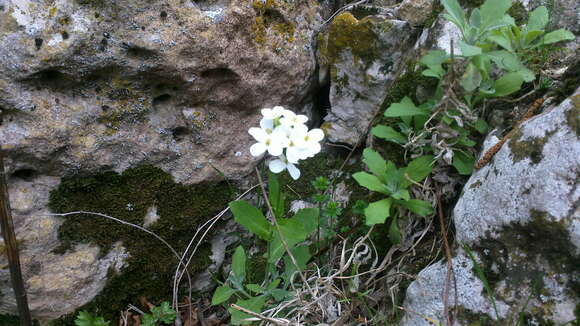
x=280, y=130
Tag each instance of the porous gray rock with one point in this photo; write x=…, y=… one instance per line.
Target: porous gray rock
x=91, y=86
x=520, y=216
x=416, y=12
x=363, y=58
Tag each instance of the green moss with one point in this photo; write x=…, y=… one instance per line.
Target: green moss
x=519, y=13
x=531, y=148
x=347, y=32
x=128, y=196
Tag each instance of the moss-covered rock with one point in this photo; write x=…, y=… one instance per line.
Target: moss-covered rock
x=129, y=196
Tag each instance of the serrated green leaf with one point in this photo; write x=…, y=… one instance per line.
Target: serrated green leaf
x=251, y=218
x=469, y=50
x=375, y=162
x=419, y=207
x=370, y=182
x=239, y=264
x=538, y=19
x=84, y=318
x=378, y=212
x=148, y=320
x=558, y=36
x=389, y=134
x=164, y=313
x=508, y=84
x=404, y=108
x=418, y=169
x=222, y=294
x=254, y=304
x=463, y=163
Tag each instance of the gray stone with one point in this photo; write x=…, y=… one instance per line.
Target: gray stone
x=364, y=57
x=91, y=86
x=416, y=12
x=519, y=214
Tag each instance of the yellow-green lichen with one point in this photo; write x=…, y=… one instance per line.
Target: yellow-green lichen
x=129, y=196
x=347, y=32
x=531, y=148
x=270, y=26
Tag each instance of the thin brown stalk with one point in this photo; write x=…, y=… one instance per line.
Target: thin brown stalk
x=9, y=236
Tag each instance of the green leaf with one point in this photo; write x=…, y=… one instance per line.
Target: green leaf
x=239, y=264
x=471, y=79
x=394, y=233
x=475, y=18
x=308, y=218
x=508, y=84
x=434, y=58
x=455, y=13
x=501, y=39
x=463, y=163
x=469, y=50
x=251, y=218
x=419, y=207
x=293, y=232
x=375, y=162
x=389, y=134
x=557, y=36
x=401, y=194
x=84, y=318
x=164, y=313
x=531, y=36
x=404, y=108
x=275, y=196
x=254, y=304
x=493, y=11
x=370, y=182
x=302, y=255
x=274, y=284
x=222, y=294
x=378, y=211
x=148, y=320
x=481, y=126
x=255, y=288
x=538, y=19
x=418, y=169
x=510, y=62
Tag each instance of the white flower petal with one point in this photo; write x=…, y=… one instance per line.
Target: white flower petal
x=275, y=149
x=293, y=170
x=267, y=113
x=314, y=148
x=301, y=119
x=293, y=154
x=288, y=114
x=278, y=111
x=267, y=123
x=277, y=166
x=258, y=134
x=257, y=149
x=316, y=134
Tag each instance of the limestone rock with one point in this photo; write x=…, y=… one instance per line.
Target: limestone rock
x=520, y=217
x=91, y=86
x=364, y=57
x=416, y=12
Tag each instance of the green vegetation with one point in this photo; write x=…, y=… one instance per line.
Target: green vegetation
x=129, y=196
